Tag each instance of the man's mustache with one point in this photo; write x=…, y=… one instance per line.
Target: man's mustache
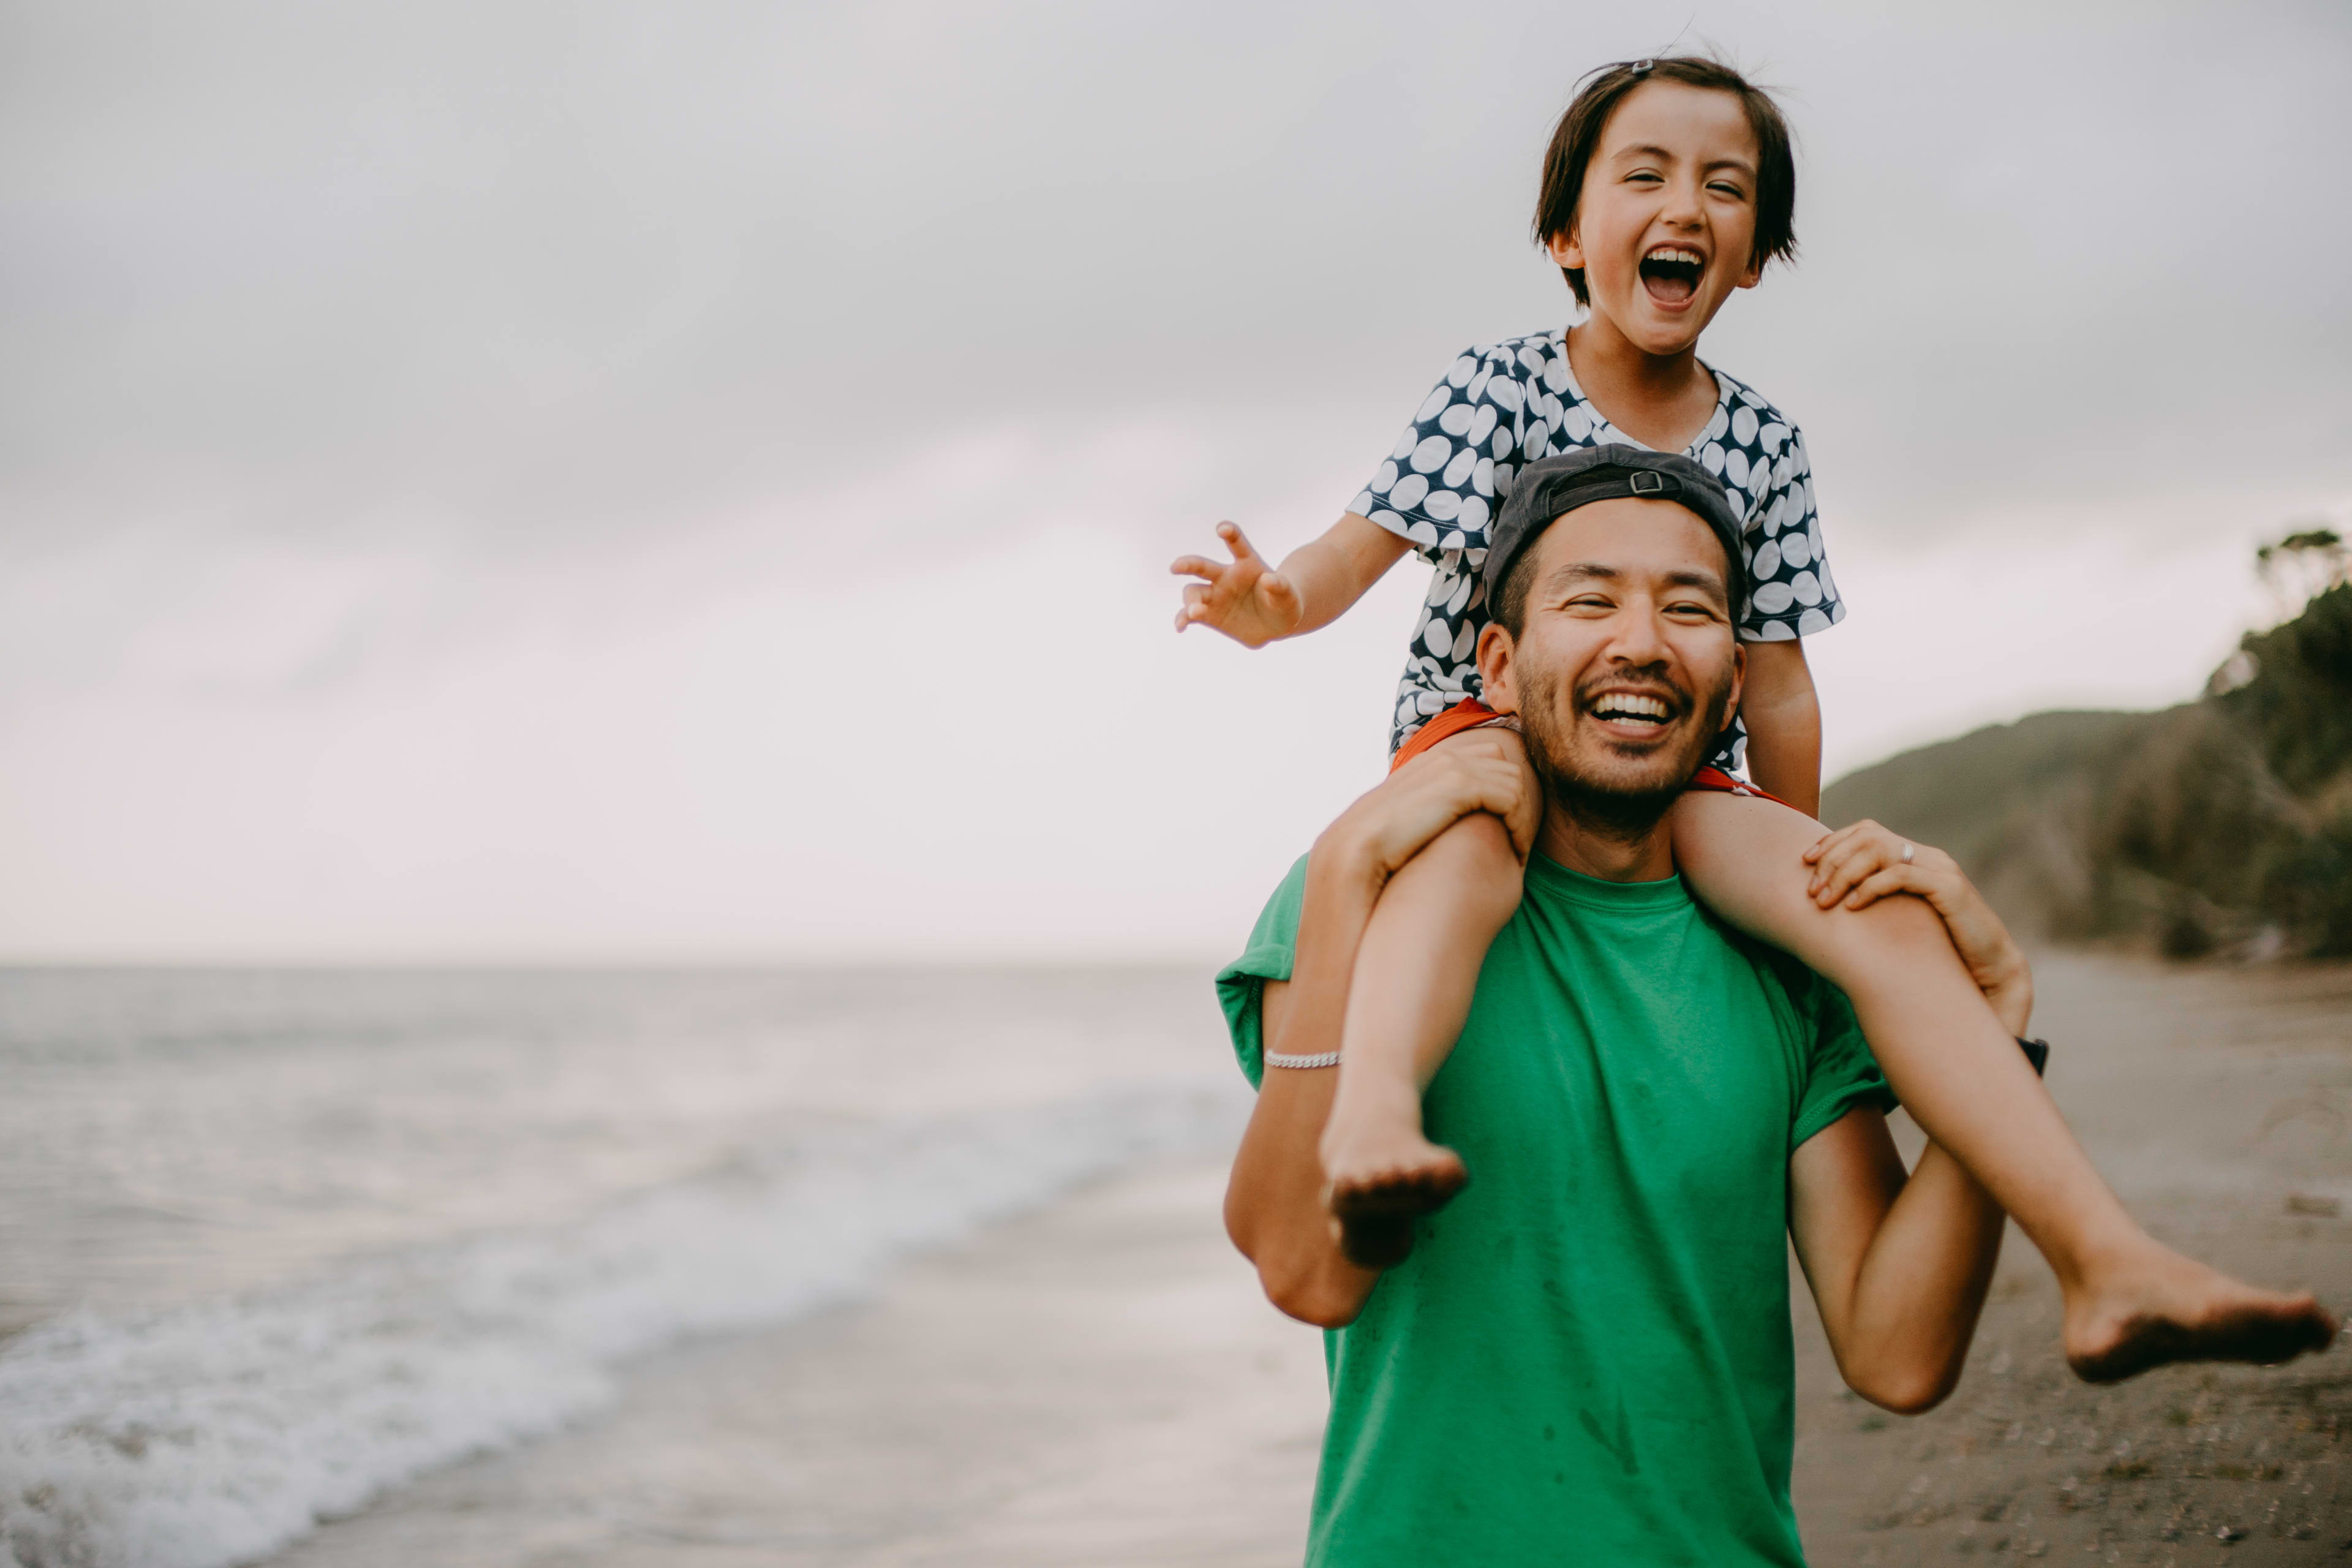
x=1652, y=683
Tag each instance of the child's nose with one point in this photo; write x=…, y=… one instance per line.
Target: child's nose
x=1684, y=204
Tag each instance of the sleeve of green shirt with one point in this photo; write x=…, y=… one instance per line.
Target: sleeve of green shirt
x=1840, y=1071
x=1240, y=984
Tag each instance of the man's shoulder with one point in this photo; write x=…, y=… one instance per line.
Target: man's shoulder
x=1271, y=940
x=1781, y=974
x=1831, y=1064
x=1240, y=984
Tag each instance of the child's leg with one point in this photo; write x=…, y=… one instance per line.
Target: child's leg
x=2130, y=1303
x=1415, y=973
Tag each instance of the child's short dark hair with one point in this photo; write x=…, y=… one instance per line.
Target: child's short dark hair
x=1577, y=136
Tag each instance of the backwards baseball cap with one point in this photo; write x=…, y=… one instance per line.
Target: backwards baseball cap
x=1551, y=486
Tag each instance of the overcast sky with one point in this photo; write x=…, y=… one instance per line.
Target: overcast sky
x=498, y=482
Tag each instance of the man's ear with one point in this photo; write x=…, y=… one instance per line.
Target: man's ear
x=1566, y=248
x=1738, y=675
x=1496, y=650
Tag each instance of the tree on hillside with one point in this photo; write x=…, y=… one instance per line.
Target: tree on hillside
x=2221, y=824
x=2304, y=566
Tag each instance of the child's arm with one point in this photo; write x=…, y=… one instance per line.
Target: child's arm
x=1315, y=586
x=1784, y=724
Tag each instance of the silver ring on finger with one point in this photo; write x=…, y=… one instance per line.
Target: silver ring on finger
x=1906, y=852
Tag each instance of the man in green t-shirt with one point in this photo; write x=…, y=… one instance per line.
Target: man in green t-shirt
x=1587, y=1357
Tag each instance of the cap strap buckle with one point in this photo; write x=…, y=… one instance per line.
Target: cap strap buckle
x=1648, y=482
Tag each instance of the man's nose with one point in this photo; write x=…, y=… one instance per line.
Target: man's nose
x=1638, y=636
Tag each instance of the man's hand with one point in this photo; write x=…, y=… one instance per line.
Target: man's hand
x=1389, y=826
x=1244, y=598
x=1860, y=865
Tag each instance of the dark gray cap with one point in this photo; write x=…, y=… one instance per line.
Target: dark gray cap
x=1550, y=486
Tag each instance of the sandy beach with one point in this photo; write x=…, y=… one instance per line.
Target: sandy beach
x=1099, y=1383
x=2216, y=1099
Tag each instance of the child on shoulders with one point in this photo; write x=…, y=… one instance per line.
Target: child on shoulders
x=1669, y=185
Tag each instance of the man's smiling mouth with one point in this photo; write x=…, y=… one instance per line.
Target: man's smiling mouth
x=1631, y=707
x=1671, y=273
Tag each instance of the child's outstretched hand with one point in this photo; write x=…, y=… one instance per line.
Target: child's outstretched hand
x=1244, y=598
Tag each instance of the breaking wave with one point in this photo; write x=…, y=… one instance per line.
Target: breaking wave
x=216, y=1433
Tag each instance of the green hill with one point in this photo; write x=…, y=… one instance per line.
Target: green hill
x=2225, y=822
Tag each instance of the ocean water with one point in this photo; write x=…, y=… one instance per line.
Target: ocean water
x=273, y=1243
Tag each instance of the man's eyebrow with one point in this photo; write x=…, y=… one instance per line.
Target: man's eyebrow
x=1708, y=582
x=1569, y=573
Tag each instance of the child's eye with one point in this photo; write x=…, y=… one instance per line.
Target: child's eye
x=1725, y=188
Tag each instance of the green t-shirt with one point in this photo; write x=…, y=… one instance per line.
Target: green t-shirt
x=1588, y=1357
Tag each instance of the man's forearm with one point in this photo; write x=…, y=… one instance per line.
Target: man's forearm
x=1921, y=1285
x=1274, y=1205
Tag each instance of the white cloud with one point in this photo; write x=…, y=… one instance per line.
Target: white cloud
x=893, y=746
x=439, y=454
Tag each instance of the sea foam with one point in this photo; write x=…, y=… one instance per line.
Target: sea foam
x=215, y=1435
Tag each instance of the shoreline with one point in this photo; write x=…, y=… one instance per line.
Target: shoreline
x=1097, y=1382
x=1100, y=1382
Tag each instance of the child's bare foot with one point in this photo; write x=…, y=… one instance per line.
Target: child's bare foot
x=1380, y=1185
x=2167, y=1307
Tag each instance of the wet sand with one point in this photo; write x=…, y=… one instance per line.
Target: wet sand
x=1100, y=1383
x=1097, y=1384
x=2218, y=1101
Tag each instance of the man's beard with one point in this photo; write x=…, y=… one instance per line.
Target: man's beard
x=1600, y=799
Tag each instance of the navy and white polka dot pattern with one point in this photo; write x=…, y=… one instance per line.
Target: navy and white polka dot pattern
x=1501, y=406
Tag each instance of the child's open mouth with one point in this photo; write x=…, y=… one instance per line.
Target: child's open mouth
x=1671, y=273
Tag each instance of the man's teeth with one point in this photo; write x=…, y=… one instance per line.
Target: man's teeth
x=1615, y=707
